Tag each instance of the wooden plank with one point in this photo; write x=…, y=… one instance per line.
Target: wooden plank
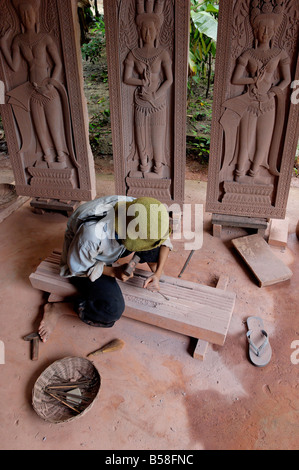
x=278, y=235
x=201, y=312
x=257, y=254
x=55, y=298
x=222, y=282
x=55, y=286
x=201, y=347
x=238, y=221
x=182, y=306
x=217, y=230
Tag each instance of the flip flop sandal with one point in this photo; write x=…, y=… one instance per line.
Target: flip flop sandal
x=260, y=350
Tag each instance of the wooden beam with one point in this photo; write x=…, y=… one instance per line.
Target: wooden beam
x=279, y=229
x=181, y=306
x=201, y=347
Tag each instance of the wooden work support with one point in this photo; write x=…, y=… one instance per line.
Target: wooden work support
x=201, y=347
x=279, y=232
x=40, y=206
x=180, y=306
x=222, y=220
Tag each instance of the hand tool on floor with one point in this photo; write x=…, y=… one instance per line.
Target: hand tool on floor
x=186, y=263
x=63, y=402
x=35, y=339
x=130, y=268
x=114, y=345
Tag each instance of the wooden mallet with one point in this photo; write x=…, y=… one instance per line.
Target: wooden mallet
x=114, y=345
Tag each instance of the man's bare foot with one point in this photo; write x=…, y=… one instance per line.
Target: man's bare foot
x=52, y=312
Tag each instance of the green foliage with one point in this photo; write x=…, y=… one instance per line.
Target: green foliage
x=199, y=124
x=199, y=147
x=200, y=110
x=203, y=37
x=99, y=125
x=93, y=49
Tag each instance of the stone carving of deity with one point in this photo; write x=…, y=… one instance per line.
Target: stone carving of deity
x=253, y=121
x=43, y=96
x=149, y=69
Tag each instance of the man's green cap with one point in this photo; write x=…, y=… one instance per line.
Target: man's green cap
x=142, y=224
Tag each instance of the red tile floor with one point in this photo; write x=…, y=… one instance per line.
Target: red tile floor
x=154, y=395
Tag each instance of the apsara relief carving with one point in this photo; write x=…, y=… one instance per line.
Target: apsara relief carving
x=147, y=63
x=253, y=113
x=148, y=68
x=38, y=110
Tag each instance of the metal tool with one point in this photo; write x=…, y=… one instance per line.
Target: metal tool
x=153, y=291
x=131, y=265
x=163, y=295
x=186, y=263
x=35, y=339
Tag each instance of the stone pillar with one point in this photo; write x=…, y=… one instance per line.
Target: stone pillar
x=45, y=116
x=255, y=124
x=147, y=54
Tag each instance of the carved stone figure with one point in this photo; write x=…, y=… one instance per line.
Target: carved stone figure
x=44, y=114
x=147, y=57
x=253, y=122
x=43, y=96
x=149, y=68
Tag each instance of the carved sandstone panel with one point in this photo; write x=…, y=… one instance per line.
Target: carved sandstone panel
x=45, y=115
x=255, y=123
x=147, y=47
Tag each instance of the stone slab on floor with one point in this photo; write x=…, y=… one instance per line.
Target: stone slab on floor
x=181, y=306
x=257, y=254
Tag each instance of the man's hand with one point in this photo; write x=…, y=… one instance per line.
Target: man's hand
x=152, y=283
x=119, y=273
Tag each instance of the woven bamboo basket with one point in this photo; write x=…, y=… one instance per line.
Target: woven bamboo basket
x=69, y=369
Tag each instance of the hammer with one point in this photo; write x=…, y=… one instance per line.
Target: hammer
x=131, y=265
x=34, y=338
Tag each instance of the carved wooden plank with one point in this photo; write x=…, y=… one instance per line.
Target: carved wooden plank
x=181, y=306
x=262, y=261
